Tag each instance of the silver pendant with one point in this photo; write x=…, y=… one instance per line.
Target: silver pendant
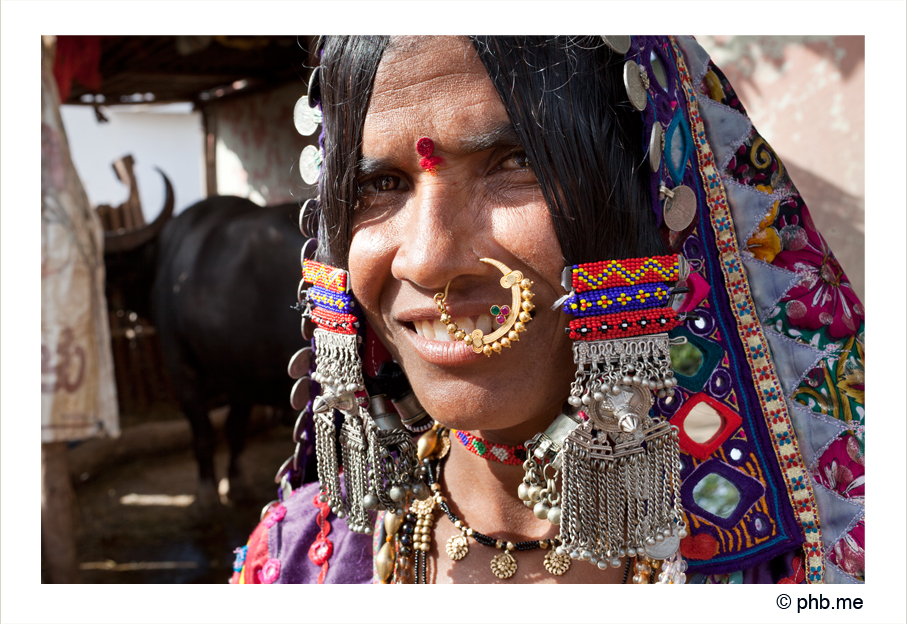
x=633, y=82
x=306, y=118
x=679, y=208
x=618, y=43
x=310, y=164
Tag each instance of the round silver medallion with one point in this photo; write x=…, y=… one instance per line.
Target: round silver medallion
x=305, y=117
x=656, y=145
x=680, y=210
x=663, y=550
x=310, y=164
x=299, y=395
x=633, y=82
x=618, y=43
x=299, y=363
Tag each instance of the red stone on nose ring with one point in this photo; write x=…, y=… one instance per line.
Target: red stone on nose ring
x=426, y=147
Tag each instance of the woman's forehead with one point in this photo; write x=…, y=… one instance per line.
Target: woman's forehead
x=433, y=86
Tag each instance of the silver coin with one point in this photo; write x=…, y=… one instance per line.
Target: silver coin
x=299, y=395
x=304, y=117
x=664, y=549
x=310, y=164
x=656, y=143
x=635, y=89
x=299, y=363
x=618, y=43
x=680, y=210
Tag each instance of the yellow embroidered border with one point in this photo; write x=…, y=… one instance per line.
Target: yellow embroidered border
x=771, y=395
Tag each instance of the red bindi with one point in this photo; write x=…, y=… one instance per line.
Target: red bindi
x=426, y=147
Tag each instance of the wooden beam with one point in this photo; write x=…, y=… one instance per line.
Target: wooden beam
x=58, y=545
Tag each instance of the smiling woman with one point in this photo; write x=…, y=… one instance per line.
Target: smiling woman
x=613, y=186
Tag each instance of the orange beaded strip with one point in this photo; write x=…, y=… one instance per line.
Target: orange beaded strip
x=324, y=275
x=633, y=271
x=624, y=324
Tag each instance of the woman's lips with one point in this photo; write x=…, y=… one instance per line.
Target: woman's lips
x=445, y=352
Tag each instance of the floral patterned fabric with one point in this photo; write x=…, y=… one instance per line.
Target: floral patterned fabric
x=810, y=317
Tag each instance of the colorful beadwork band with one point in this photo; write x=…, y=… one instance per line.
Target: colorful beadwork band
x=610, y=273
x=334, y=321
x=512, y=455
x=624, y=324
x=325, y=276
x=338, y=302
x=621, y=298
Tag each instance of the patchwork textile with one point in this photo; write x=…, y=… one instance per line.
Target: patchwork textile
x=781, y=336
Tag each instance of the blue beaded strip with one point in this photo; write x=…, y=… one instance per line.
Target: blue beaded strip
x=618, y=299
x=330, y=300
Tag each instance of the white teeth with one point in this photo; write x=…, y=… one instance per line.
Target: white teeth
x=436, y=330
x=425, y=329
x=465, y=324
x=441, y=334
x=484, y=323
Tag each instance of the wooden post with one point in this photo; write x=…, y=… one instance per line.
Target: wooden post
x=132, y=207
x=58, y=547
x=210, y=125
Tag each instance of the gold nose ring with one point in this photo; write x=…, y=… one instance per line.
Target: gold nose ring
x=515, y=316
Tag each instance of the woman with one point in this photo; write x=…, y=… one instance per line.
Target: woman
x=448, y=162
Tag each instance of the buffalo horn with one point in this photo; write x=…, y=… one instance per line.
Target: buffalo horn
x=127, y=241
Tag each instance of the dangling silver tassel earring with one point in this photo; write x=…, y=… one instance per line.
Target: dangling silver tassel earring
x=377, y=453
x=619, y=466
x=394, y=464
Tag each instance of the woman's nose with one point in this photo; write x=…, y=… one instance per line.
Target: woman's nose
x=439, y=236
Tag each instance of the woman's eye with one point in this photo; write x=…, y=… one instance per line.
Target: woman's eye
x=517, y=160
x=382, y=184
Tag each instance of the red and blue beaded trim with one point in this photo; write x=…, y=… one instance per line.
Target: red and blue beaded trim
x=338, y=302
x=633, y=271
x=624, y=324
x=334, y=321
x=331, y=304
x=621, y=298
x=512, y=455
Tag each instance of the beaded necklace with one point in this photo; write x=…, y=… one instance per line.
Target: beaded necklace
x=503, y=453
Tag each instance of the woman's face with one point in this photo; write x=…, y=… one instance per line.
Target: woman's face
x=419, y=227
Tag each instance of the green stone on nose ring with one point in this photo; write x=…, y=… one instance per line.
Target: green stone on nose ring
x=500, y=313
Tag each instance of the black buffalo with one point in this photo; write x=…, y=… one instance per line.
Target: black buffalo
x=225, y=273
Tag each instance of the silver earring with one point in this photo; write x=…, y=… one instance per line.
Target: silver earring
x=618, y=465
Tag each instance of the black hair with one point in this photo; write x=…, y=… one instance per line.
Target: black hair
x=348, y=68
x=566, y=100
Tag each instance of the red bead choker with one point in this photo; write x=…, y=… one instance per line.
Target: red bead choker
x=503, y=453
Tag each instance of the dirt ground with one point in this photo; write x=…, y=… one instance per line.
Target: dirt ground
x=168, y=543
